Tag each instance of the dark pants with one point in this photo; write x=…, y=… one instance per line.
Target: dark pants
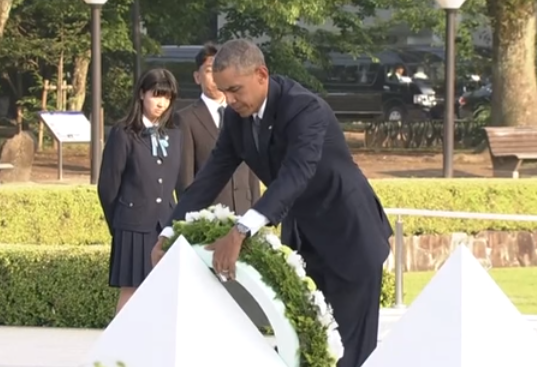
x=355, y=305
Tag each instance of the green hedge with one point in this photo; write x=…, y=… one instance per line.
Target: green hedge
x=54, y=214
x=51, y=214
x=60, y=286
x=67, y=286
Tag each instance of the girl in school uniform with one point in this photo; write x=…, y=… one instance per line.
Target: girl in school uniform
x=139, y=174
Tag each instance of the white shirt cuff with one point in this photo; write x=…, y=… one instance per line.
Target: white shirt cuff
x=254, y=221
x=167, y=232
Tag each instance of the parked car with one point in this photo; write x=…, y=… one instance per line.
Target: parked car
x=368, y=87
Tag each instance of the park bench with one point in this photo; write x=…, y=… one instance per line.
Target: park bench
x=509, y=147
x=6, y=166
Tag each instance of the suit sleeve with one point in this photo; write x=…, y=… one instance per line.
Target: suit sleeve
x=305, y=134
x=255, y=187
x=187, y=169
x=211, y=178
x=112, y=167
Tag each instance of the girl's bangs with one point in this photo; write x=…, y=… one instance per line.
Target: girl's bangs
x=164, y=90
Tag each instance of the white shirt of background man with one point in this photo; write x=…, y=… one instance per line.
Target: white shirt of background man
x=213, y=107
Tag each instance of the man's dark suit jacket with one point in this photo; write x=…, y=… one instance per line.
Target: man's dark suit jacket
x=199, y=135
x=312, y=181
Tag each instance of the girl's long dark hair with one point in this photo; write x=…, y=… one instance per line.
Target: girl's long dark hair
x=162, y=83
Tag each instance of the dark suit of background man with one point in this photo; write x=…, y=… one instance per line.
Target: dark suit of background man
x=200, y=124
x=293, y=142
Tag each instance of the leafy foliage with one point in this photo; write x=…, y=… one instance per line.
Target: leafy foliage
x=295, y=32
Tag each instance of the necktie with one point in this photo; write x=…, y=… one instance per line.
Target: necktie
x=256, y=127
x=221, y=110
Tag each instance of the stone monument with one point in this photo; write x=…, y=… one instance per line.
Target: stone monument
x=461, y=319
x=20, y=152
x=182, y=315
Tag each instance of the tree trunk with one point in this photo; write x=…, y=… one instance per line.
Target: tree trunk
x=80, y=77
x=5, y=8
x=514, y=97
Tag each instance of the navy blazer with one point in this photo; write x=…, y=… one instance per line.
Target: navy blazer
x=135, y=188
x=312, y=181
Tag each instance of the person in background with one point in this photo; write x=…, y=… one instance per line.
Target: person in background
x=139, y=173
x=200, y=124
x=398, y=73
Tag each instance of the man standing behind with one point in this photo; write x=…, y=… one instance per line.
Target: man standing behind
x=200, y=124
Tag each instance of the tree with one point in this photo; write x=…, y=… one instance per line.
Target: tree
x=292, y=36
x=5, y=9
x=51, y=40
x=514, y=97
x=178, y=22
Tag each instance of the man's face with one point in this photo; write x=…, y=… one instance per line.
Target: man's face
x=244, y=91
x=204, y=78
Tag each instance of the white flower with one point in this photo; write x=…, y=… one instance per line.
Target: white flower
x=192, y=217
x=335, y=345
x=222, y=213
x=320, y=302
x=296, y=261
x=273, y=241
x=207, y=215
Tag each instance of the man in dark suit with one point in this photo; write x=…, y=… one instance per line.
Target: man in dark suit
x=293, y=142
x=200, y=124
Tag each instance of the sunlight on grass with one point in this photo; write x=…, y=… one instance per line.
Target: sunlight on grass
x=520, y=285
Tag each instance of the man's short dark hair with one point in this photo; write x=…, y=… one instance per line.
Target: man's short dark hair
x=242, y=54
x=208, y=50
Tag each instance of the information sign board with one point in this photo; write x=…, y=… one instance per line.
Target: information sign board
x=67, y=126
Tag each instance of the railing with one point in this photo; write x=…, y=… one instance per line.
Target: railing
x=400, y=243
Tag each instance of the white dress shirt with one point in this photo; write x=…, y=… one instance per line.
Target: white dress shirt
x=252, y=219
x=213, y=107
x=147, y=122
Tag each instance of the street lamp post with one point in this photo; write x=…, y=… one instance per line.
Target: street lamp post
x=96, y=92
x=136, y=40
x=450, y=7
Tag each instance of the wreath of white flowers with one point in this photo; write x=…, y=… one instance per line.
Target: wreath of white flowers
x=219, y=219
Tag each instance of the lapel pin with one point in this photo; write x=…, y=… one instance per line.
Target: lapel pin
x=270, y=127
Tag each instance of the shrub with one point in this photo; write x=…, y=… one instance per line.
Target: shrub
x=51, y=214
x=57, y=215
x=59, y=286
x=506, y=196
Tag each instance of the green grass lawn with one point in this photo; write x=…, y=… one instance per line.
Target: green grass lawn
x=519, y=284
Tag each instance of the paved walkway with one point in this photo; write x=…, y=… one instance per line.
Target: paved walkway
x=46, y=347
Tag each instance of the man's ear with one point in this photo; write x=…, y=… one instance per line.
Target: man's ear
x=196, y=76
x=262, y=73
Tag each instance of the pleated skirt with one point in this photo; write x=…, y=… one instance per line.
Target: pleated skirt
x=130, y=257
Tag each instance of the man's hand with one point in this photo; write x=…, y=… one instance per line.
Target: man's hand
x=157, y=253
x=226, y=252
